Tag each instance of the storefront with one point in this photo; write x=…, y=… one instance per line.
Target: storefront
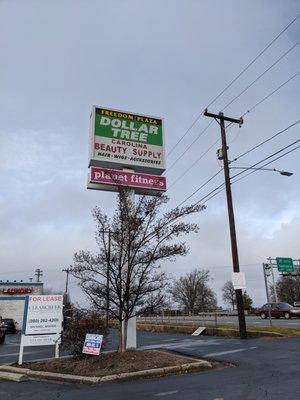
x=12, y=298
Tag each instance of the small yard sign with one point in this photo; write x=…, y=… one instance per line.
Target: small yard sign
x=92, y=344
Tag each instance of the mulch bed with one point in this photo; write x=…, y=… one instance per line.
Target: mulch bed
x=110, y=363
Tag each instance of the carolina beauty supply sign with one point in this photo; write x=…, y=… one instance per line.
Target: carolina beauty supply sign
x=120, y=139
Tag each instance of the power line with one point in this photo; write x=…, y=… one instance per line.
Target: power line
x=230, y=126
x=200, y=187
x=212, y=193
x=252, y=62
x=234, y=80
x=270, y=94
x=267, y=158
x=187, y=149
x=265, y=141
x=277, y=158
x=194, y=163
x=261, y=75
x=235, y=98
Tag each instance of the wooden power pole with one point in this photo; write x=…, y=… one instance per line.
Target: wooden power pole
x=234, y=248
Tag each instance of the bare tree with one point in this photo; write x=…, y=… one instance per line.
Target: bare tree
x=193, y=293
x=141, y=240
x=228, y=294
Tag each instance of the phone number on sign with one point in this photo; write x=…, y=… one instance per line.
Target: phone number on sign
x=39, y=321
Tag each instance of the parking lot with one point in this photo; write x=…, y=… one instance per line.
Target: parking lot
x=259, y=369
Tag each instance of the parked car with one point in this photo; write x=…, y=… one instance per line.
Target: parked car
x=2, y=332
x=9, y=325
x=278, y=310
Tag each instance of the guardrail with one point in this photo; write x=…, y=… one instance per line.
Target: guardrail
x=206, y=318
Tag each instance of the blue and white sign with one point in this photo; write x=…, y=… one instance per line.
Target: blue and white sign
x=92, y=344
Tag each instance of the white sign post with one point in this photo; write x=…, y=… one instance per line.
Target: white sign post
x=42, y=322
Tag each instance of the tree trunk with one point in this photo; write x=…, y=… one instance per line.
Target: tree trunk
x=125, y=326
x=121, y=339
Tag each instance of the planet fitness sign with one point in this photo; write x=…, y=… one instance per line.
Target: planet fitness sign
x=110, y=179
x=120, y=139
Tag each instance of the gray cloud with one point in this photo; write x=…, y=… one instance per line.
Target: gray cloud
x=162, y=58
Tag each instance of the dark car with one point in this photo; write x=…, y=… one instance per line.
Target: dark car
x=9, y=325
x=2, y=334
x=278, y=310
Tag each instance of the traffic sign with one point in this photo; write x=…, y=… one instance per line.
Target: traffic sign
x=285, y=264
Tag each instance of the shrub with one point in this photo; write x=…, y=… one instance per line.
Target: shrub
x=77, y=326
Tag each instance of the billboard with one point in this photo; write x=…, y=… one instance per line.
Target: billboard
x=110, y=179
x=120, y=139
x=43, y=314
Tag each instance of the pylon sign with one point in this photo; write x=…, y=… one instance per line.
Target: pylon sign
x=121, y=139
x=285, y=264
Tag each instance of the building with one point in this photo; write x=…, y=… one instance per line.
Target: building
x=12, y=298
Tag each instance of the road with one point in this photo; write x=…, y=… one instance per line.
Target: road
x=264, y=369
x=228, y=320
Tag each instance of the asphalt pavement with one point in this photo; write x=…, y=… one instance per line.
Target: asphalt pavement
x=263, y=369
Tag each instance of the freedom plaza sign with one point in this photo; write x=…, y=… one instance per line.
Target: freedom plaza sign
x=120, y=139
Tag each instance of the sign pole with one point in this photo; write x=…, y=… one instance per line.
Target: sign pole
x=267, y=293
x=131, y=324
x=21, y=354
x=273, y=279
x=56, y=354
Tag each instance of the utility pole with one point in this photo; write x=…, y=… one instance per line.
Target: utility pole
x=38, y=273
x=67, y=271
x=234, y=249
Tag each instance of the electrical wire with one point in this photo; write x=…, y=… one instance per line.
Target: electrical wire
x=234, y=80
x=270, y=94
x=261, y=75
x=193, y=142
x=231, y=125
x=252, y=62
x=265, y=141
x=212, y=193
x=231, y=101
x=202, y=186
x=267, y=158
x=194, y=163
x=277, y=158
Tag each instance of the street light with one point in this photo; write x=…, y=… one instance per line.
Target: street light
x=284, y=173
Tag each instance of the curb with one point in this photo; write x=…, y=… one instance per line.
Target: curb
x=28, y=373
x=12, y=376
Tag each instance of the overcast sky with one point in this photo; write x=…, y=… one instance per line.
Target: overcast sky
x=165, y=58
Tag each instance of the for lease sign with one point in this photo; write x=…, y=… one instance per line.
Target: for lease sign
x=43, y=314
x=121, y=139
